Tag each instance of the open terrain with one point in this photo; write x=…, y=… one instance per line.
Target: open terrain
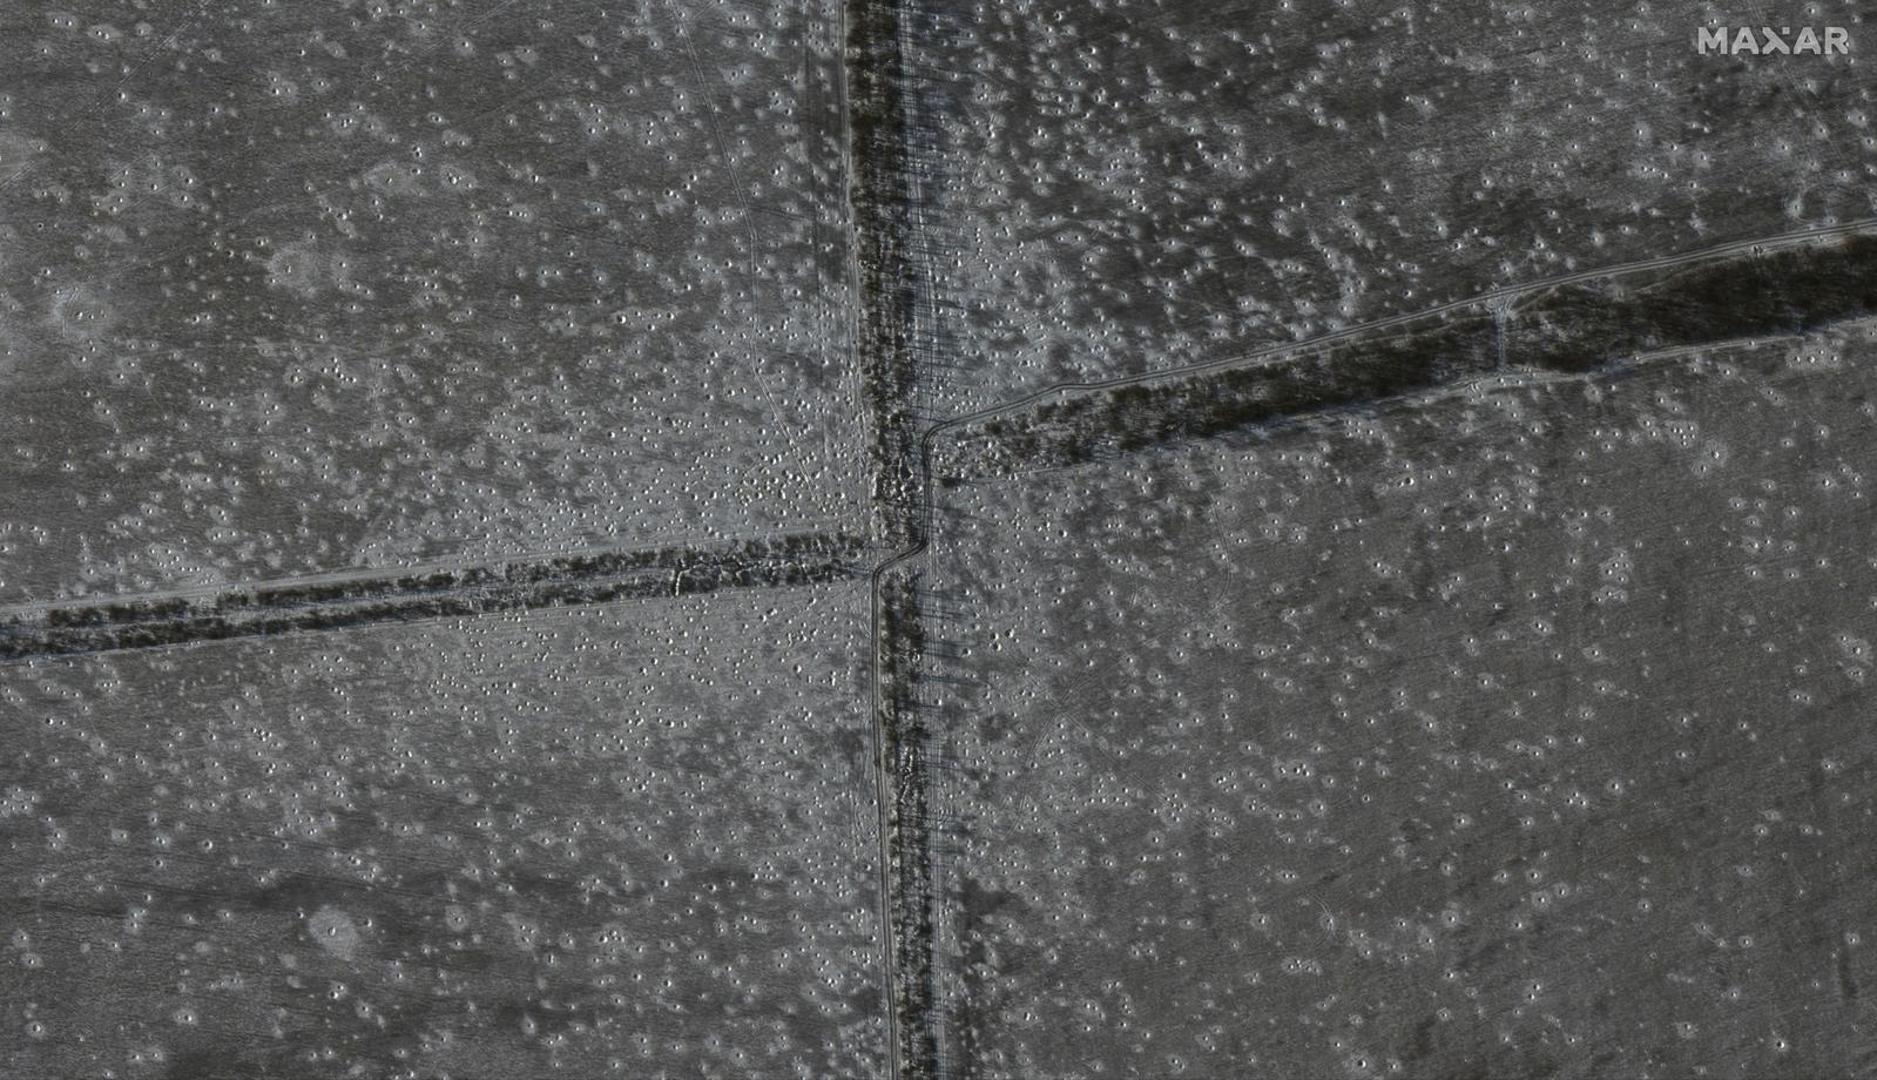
x=1128, y=185
x=632, y=839
x=1513, y=730
x=911, y=539
x=290, y=288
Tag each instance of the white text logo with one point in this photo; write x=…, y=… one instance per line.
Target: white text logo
x=1765, y=41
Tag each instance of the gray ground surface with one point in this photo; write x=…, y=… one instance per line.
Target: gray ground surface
x=294, y=287
x=1142, y=183
x=444, y=445
x=633, y=840
x=1519, y=732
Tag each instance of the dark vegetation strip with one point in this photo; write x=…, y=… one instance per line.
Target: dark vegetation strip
x=895, y=150
x=796, y=559
x=881, y=197
x=1573, y=329
x=912, y=896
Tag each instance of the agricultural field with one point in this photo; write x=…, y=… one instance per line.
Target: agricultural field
x=633, y=839
x=288, y=288
x=1131, y=185
x=922, y=540
x=1518, y=729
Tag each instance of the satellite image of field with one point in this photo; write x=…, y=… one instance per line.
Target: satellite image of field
x=926, y=539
